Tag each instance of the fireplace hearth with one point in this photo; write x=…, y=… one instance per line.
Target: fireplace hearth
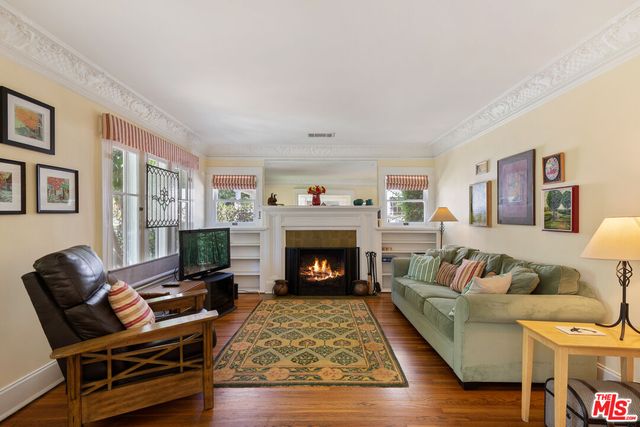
x=322, y=271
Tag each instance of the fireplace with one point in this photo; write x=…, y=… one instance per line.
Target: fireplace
x=322, y=271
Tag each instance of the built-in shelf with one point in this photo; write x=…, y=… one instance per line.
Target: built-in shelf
x=246, y=273
x=245, y=258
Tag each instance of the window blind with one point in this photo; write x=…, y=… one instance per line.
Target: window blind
x=234, y=182
x=407, y=182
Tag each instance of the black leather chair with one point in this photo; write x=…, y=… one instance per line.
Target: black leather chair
x=110, y=370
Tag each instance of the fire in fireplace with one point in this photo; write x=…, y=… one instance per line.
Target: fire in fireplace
x=321, y=271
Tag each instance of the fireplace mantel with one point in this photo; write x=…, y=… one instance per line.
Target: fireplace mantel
x=278, y=219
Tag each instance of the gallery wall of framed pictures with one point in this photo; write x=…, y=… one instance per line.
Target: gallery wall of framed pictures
x=29, y=124
x=516, y=180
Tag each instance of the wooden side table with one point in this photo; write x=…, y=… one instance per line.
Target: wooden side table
x=564, y=345
x=157, y=290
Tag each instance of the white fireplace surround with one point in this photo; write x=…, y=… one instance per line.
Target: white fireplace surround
x=280, y=219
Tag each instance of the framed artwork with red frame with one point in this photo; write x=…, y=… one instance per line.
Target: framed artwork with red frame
x=562, y=209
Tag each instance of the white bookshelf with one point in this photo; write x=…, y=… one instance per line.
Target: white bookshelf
x=402, y=243
x=245, y=258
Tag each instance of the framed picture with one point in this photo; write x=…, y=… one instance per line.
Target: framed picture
x=516, y=188
x=482, y=167
x=480, y=204
x=26, y=122
x=561, y=209
x=553, y=168
x=57, y=189
x=12, y=187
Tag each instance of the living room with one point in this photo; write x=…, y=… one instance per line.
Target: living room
x=403, y=196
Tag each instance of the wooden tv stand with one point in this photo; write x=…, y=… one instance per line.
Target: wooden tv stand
x=219, y=286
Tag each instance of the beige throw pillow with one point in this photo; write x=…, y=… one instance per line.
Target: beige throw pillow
x=489, y=285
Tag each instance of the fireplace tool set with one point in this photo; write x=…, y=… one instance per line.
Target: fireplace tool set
x=372, y=273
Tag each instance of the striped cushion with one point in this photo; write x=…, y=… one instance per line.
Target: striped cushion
x=446, y=273
x=467, y=271
x=131, y=309
x=424, y=268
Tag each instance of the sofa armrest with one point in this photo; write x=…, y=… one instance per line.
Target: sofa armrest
x=187, y=300
x=508, y=308
x=399, y=267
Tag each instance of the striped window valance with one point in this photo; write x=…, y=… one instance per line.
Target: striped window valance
x=119, y=130
x=407, y=182
x=234, y=182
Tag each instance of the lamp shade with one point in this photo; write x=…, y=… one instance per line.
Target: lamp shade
x=443, y=214
x=617, y=239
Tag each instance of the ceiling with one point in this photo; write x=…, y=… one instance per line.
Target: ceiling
x=253, y=77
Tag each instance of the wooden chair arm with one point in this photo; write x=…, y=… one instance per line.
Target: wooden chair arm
x=190, y=299
x=162, y=330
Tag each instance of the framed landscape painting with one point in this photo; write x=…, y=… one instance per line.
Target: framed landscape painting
x=57, y=189
x=480, y=204
x=516, y=187
x=561, y=209
x=12, y=187
x=27, y=122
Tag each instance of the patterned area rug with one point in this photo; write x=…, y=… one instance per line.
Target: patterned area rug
x=309, y=342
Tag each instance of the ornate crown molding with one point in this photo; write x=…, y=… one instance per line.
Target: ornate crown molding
x=24, y=41
x=619, y=40
x=331, y=151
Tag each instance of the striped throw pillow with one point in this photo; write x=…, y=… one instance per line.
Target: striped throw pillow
x=446, y=273
x=423, y=268
x=131, y=309
x=467, y=271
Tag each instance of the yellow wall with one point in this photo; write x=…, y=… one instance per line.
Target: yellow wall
x=597, y=126
x=27, y=237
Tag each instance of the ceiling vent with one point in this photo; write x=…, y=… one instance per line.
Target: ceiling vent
x=321, y=135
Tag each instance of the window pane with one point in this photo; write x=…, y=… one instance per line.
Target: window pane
x=131, y=229
x=401, y=212
x=405, y=194
x=117, y=237
x=117, y=170
x=229, y=211
x=226, y=194
x=131, y=177
x=183, y=211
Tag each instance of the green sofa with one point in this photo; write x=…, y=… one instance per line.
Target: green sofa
x=481, y=340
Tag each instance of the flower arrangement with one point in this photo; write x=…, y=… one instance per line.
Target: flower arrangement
x=316, y=191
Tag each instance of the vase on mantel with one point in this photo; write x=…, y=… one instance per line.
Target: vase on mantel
x=316, y=191
x=315, y=200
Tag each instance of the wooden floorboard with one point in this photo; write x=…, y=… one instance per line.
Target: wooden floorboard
x=433, y=398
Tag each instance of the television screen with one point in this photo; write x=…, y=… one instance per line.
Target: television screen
x=203, y=251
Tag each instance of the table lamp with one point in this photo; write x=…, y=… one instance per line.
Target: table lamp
x=618, y=239
x=443, y=215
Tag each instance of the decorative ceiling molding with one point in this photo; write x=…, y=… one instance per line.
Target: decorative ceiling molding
x=618, y=41
x=33, y=46
x=323, y=151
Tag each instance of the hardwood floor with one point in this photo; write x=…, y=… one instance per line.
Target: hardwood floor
x=433, y=398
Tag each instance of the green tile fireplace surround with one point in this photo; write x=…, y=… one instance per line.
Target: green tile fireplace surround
x=481, y=342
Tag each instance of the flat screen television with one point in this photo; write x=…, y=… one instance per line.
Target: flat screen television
x=203, y=252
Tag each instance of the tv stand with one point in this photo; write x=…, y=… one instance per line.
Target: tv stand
x=220, y=292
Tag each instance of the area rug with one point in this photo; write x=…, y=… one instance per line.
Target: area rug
x=309, y=342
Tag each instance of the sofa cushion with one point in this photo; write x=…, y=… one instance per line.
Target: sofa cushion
x=446, y=273
x=489, y=285
x=426, y=269
x=463, y=253
x=493, y=261
x=131, y=309
x=437, y=310
x=446, y=254
x=464, y=273
x=556, y=279
x=417, y=293
x=524, y=280
x=509, y=264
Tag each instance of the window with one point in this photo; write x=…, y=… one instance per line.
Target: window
x=327, y=199
x=235, y=196
x=234, y=206
x=128, y=241
x=405, y=199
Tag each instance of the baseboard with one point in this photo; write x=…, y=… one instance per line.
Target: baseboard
x=607, y=374
x=28, y=388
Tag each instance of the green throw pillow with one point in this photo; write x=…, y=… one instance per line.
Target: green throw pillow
x=423, y=268
x=523, y=281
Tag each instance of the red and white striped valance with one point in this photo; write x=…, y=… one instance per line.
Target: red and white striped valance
x=119, y=130
x=234, y=182
x=407, y=182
